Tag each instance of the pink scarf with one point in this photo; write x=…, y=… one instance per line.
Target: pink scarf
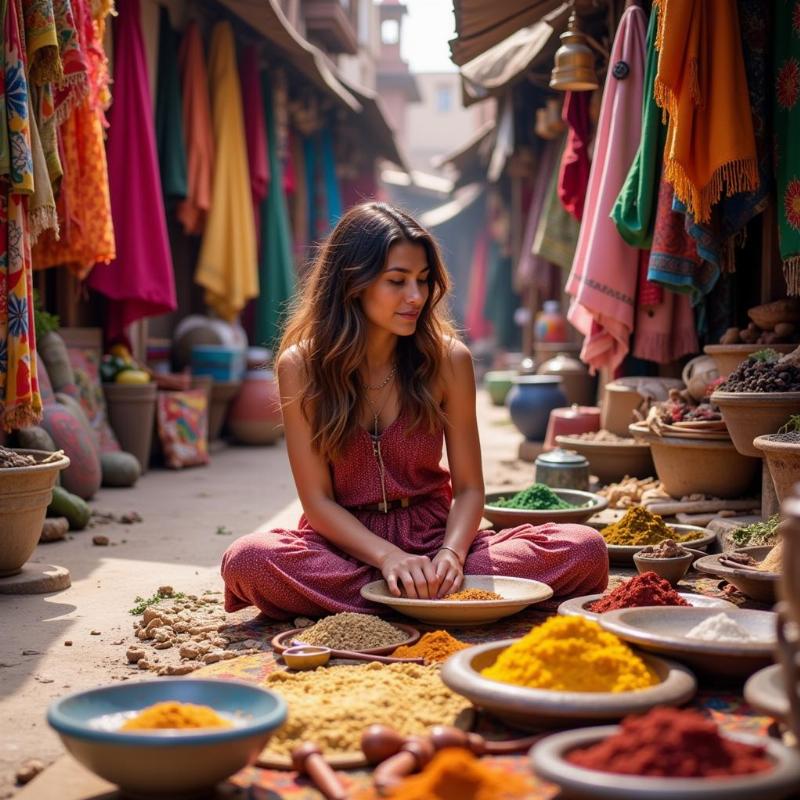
x=140, y=282
x=604, y=270
x=255, y=130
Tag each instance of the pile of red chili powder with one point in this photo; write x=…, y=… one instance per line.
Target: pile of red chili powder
x=647, y=589
x=670, y=743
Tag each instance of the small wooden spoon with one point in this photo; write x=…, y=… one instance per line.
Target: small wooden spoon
x=297, y=647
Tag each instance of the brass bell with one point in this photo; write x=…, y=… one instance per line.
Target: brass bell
x=574, y=61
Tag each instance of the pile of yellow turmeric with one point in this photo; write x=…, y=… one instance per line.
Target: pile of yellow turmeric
x=571, y=654
x=172, y=714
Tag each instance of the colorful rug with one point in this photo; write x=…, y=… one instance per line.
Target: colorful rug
x=726, y=708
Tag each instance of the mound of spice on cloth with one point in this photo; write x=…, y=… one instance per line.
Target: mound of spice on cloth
x=473, y=594
x=333, y=705
x=647, y=589
x=666, y=549
x=434, y=646
x=350, y=631
x=571, y=654
x=172, y=714
x=455, y=774
x=639, y=527
x=670, y=743
x=537, y=497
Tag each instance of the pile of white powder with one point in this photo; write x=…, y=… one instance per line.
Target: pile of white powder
x=720, y=628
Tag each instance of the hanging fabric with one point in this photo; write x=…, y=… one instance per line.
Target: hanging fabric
x=667, y=331
x=140, y=281
x=533, y=270
x=227, y=266
x=198, y=130
x=573, y=177
x=78, y=164
x=605, y=268
x=557, y=233
x=478, y=327
x=20, y=401
x=333, y=196
x=710, y=150
x=786, y=121
x=170, y=141
x=316, y=229
x=276, y=264
x=299, y=213
x=635, y=208
x=255, y=128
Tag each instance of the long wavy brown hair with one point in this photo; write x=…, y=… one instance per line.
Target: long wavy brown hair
x=327, y=324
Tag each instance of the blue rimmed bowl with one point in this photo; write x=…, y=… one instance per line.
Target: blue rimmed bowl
x=167, y=763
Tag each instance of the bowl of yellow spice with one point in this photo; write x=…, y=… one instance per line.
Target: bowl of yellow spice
x=565, y=671
x=640, y=528
x=169, y=737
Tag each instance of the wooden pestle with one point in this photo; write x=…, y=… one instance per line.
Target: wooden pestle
x=356, y=656
x=307, y=759
x=398, y=756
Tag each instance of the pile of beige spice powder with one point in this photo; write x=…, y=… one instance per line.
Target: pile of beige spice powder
x=332, y=706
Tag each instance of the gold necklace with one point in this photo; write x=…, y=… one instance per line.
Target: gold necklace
x=383, y=382
x=376, y=441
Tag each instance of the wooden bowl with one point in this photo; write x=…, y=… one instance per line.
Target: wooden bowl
x=587, y=505
x=671, y=569
x=283, y=641
x=579, y=606
x=517, y=593
x=541, y=708
x=704, y=466
x=612, y=461
x=549, y=763
x=663, y=629
x=757, y=585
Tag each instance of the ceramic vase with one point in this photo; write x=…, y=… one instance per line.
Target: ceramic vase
x=530, y=402
x=255, y=415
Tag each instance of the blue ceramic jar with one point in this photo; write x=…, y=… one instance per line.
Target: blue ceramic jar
x=530, y=401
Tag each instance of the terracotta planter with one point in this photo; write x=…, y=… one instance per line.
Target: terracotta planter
x=612, y=461
x=570, y=422
x=619, y=403
x=255, y=415
x=25, y=493
x=703, y=466
x=751, y=414
x=729, y=356
x=783, y=460
x=131, y=413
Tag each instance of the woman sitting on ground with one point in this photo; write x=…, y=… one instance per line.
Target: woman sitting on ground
x=373, y=380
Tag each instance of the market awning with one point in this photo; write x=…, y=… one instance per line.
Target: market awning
x=266, y=17
x=462, y=200
x=480, y=144
x=377, y=123
x=534, y=46
x=481, y=24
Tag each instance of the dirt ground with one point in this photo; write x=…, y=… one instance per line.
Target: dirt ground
x=189, y=518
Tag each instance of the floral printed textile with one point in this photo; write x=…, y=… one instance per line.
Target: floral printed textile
x=786, y=116
x=20, y=402
x=44, y=64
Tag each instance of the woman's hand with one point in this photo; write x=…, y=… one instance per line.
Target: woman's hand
x=415, y=574
x=449, y=570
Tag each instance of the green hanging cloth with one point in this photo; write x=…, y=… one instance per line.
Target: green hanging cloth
x=634, y=212
x=276, y=264
x=170, y=140
x=786, y=124
x=501, y=300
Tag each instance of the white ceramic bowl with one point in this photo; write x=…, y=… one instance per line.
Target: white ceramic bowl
x=579, y=606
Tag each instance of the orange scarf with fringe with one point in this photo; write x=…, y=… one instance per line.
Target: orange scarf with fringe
x=702, y=85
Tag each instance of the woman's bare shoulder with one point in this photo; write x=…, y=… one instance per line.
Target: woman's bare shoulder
x=292, y=365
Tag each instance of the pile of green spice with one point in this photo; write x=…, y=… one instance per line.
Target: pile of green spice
x=350, y=631
x=758, y=533
x=537, y=497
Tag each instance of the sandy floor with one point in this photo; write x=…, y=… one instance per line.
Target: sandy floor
x=189, y=518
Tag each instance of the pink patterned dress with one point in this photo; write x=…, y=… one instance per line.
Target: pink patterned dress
x=287, y=573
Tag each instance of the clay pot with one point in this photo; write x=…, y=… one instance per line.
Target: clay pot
x=729, y=356
x=702, y=466
x=222, y=393
x=578, y=384
x=751, y=414
x=612, y=461
x=783, y=460
x=543, y=351
x=131, y=413
x=570, y=422
x=25, y=493
x=255, y=415
x=530, y=402
x=619, y=403
x=498, y=384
